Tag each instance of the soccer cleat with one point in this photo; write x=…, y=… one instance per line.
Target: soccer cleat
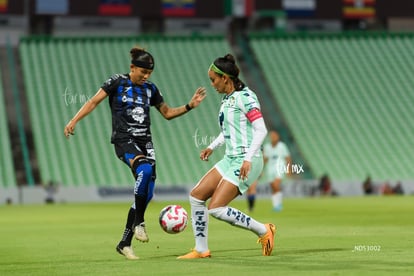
x=127, y=252
x=195, y=255
x=267, y=240
x=140, y=233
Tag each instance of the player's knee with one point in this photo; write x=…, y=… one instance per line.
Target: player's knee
x=196, y=202
x=142, y=168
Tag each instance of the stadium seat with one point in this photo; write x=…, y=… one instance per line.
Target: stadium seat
x=61, y=74
x=347, y=100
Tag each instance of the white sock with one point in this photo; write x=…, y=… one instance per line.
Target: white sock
x=238, y=218
x=199, y=222
x=277, y=199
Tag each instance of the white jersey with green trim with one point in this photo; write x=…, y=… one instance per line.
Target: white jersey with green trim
x=276, y=166
x=236, y=128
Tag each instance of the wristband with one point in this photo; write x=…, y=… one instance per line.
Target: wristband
x=188, y=107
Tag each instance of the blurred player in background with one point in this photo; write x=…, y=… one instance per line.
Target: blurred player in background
x=242, y=131
x=130, y=97
x=278, y=163
x=251, y=196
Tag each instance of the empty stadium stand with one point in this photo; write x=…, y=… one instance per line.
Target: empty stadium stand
x=347, y=100
x=60, y=74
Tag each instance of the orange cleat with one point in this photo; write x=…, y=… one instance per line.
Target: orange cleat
x=267, y=240
x=195, y=255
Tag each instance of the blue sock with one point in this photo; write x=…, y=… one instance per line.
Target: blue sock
x=251, y=200
x=142, y=184
x=151, y=187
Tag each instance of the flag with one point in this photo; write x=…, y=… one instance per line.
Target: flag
x=115, y=7
x=239, y=8
x=299, y=8
x=52, y=7
x=178, y=8
x=3, y=6
x=358, y=9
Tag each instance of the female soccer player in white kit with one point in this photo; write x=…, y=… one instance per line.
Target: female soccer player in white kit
x=278, y=164
x=242, y=131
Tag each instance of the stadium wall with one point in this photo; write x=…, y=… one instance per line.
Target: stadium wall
x=291, y=189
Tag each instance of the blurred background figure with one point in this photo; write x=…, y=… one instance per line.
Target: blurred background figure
x=388, y=189
x=398, y=189
x=251, y=196
x=51, y=189
x=325, y=186
x=277, y=164
x=367, y=186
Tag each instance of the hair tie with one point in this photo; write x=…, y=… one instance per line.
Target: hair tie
x=214, y=68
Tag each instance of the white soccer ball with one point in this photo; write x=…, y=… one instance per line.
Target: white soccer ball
x=173, y=219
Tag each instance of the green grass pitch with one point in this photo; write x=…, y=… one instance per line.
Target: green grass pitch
x=316, y=236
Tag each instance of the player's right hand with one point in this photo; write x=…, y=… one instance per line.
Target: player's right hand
x=205, y=154
x=69, y=129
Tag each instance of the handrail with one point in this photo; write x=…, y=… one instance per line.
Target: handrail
x=19, y=116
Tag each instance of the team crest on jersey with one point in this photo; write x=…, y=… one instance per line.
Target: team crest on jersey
x=138, y=114
x=231, y=102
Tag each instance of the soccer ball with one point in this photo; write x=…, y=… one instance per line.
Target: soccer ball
x=173, y=219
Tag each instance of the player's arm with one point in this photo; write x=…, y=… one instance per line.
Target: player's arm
x=87, y=108
x=259, y=134
x=205, y=153
x=173, y=112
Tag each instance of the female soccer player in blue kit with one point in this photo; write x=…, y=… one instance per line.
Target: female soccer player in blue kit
x=242, y=131
x=130, y=97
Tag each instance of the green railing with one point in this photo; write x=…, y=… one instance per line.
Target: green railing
x=19, y=116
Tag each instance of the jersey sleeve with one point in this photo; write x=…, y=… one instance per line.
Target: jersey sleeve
x=111, y=84
x=157, y=97
x=250, y=106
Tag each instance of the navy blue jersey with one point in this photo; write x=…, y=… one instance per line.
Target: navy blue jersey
x=130, y=105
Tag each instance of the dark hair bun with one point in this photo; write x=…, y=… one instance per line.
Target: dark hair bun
x=230, y=57
x=136, y=52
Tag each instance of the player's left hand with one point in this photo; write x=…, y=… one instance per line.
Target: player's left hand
x=244, y=170
x=198, y=97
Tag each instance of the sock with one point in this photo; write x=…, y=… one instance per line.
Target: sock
x=140, y=207
x=127, y=235
x=199, y=222
x=277, y=199
x=151, y=187
x=251, y=200
x=142, y=185
x=238, y=218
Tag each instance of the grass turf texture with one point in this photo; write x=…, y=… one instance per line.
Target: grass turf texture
x=317, y=236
